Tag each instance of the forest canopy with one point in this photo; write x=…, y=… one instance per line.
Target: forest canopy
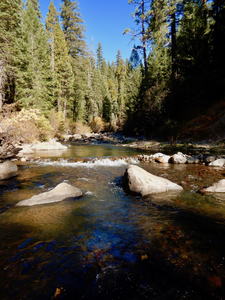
x=176, y=65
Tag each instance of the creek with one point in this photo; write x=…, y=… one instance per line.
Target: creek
x=108, y=244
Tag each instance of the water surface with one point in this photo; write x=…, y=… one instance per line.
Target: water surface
x=108, y=244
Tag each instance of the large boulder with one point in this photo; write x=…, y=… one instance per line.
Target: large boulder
x=178, y=158
x=218, y=163
x=8, y=169
x=59, y=193
x=52, y=145
x=139, y=182
x=217, y=187
x=26, y=149
x=161, y=158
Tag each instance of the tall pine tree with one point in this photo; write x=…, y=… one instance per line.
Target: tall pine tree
x=34, y=77
x=10, y=32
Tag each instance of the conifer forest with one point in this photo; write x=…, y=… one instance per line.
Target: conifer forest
x=176, y=66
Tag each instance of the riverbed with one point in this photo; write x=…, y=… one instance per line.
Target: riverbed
x=108, y=244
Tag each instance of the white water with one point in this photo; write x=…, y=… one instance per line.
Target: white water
x=107, y=162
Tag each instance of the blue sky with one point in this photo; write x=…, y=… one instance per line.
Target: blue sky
x=105, y=21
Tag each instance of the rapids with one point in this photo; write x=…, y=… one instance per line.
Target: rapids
x=108, y=244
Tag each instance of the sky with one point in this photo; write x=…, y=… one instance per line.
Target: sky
x=105, y=21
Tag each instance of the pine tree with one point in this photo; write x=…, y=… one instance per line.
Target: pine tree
x=73, y=28
x=141, y=17
x=134, y=58
x=120, y=75
x=100, y=58
x=34, y=76
x=63, y=74
x=50, y=23
x=36, y=6
x=10, y=31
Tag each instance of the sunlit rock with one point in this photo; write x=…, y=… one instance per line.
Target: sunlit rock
x=217, y=187
x=26, y=149
x=59, y=193
x=178, y=158
x=218, y=163
x=52, y=145
x=161, y=158
x=8, y=169
x=139, y=182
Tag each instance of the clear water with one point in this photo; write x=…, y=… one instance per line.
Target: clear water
x=107, y=244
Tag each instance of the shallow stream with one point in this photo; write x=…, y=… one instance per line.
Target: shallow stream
x=108, y=244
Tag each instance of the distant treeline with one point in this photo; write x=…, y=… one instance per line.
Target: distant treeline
x=177, y=64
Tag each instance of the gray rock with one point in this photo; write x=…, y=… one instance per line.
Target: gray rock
x=178, y=159
x=139, y=182
x=59, y=193
x=210, y=159
x=52, y=145
x=218, y=187
x=26, y=149
x=161, y=158
x=218, y=163
x=192, y=160
x=8, y=169
x=77, y=136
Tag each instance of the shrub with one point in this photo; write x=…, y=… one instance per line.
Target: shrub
x=81, y=128
x=57, y=122
x=27, y=125
x=97, y=125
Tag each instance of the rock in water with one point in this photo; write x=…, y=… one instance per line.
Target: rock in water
x=218, y=163
x=8, y=169
x=217, y=187
x=140, y=182
x=59, y=193
x=178, y=159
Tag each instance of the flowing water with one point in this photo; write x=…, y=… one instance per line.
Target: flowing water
x=108, y=244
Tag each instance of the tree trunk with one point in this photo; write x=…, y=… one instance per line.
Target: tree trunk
x=173, y=43
x=144, y=46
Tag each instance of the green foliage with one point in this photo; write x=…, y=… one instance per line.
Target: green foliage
x=10, y=33
x=100, y=58
x=73, y=28
x=34, y=75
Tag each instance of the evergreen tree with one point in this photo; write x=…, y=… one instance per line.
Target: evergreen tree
x=73, y=28
x=36, y=6
x=120, y=75
x=100, y=58
x=141, y=17
x=134, y=58
x=50, y=23
x=10, y=31
x=34, y=77
x=63, y=74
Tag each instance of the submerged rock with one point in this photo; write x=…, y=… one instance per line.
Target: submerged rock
x=8, y=169
x=218, y=187
x=139, y=182
x=59, y=193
